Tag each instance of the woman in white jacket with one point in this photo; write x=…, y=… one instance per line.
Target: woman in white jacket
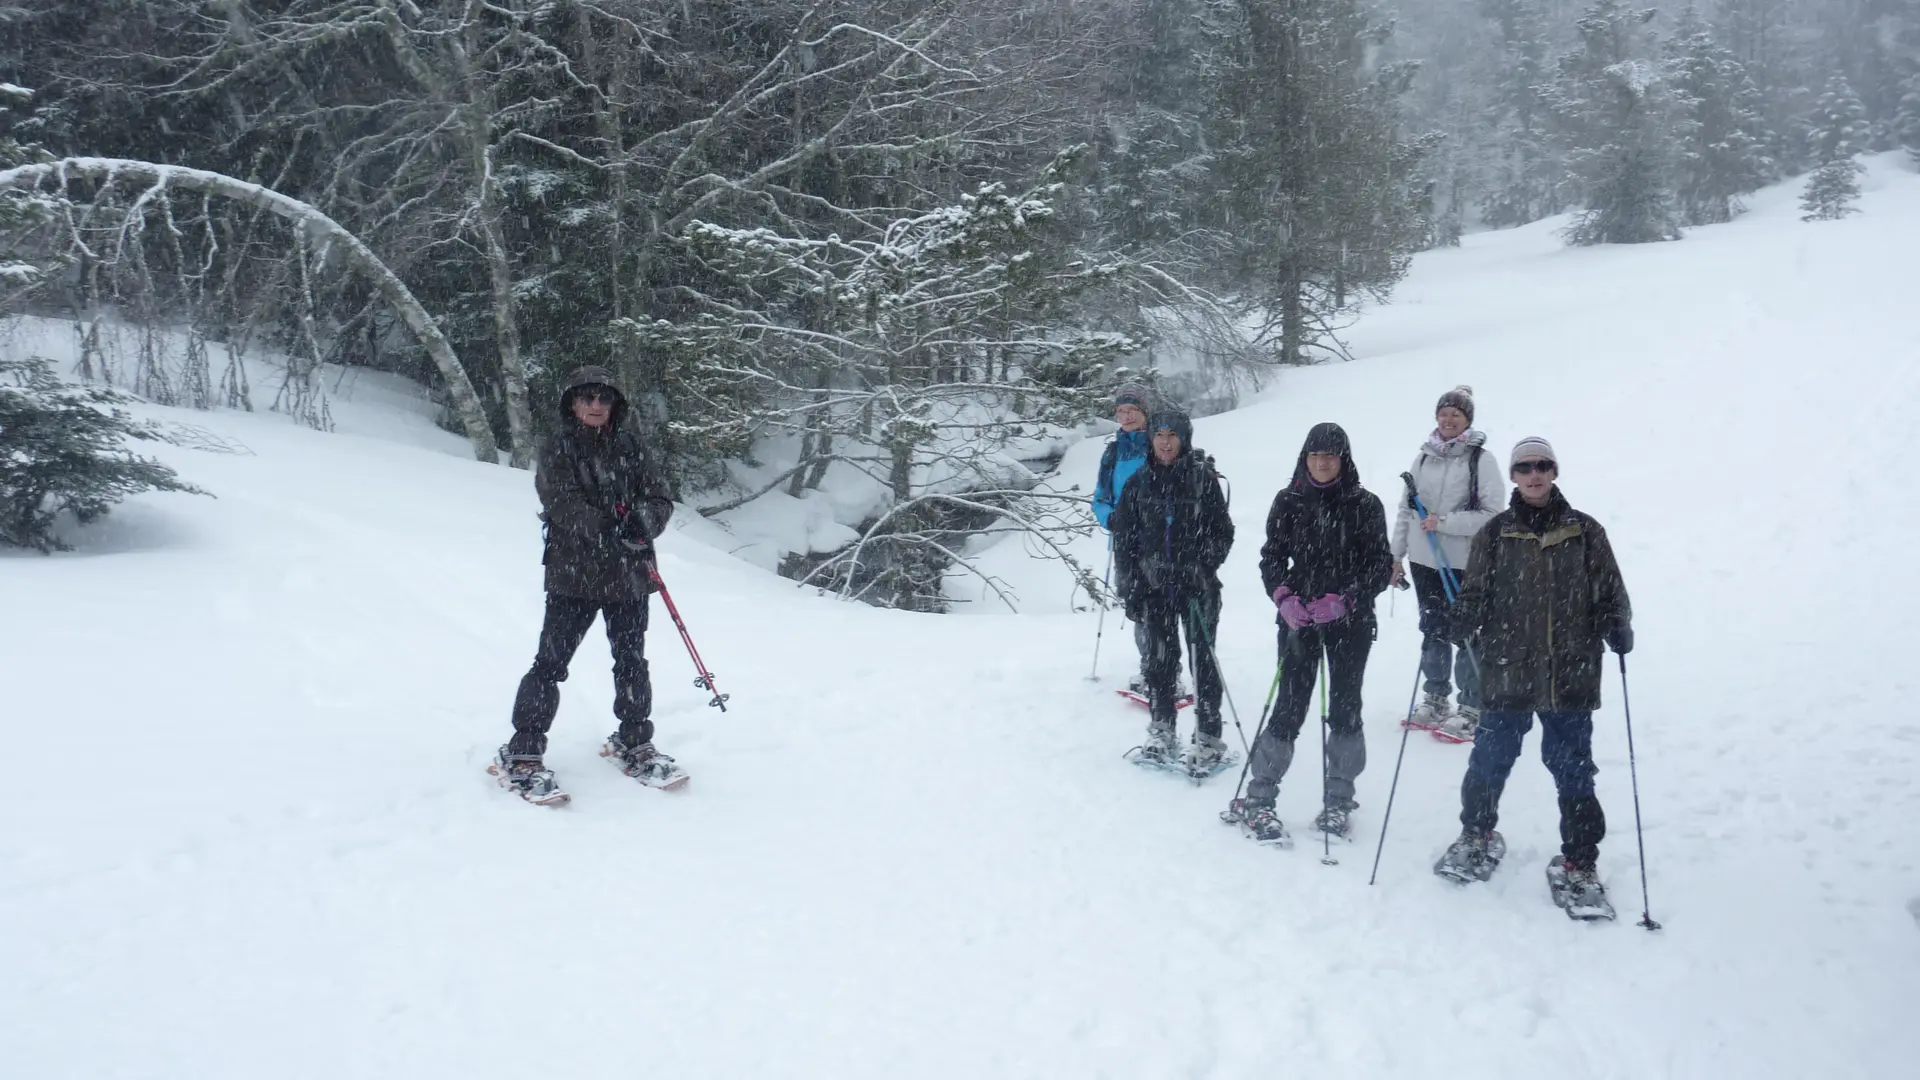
x=1461, y=487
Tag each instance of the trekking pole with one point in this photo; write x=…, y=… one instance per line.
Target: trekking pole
x=1326, y=838
x=1193, y=609
x=1107, y=582
x=1406, y=729
x=704, y=680
x=1447, y=572
x=1266, y=711
x=1646, y=907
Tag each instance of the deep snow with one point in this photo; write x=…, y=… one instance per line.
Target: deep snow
x=251, y=835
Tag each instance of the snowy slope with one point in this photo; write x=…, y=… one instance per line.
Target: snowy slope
x=251, y=836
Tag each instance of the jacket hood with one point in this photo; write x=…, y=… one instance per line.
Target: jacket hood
x=592, y=375
x=1326, y=438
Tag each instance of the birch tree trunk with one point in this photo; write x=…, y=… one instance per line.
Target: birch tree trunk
x=465, y=403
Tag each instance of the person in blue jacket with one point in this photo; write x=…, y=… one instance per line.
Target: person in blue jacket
x=1124, y=457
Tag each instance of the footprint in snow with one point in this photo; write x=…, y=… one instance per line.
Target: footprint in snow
x=1913, y=909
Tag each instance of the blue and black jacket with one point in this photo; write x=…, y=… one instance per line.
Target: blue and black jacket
x=1124, y=457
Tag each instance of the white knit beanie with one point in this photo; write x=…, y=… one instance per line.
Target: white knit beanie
x=1532, y=446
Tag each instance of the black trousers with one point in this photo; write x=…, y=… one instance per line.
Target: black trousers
x=1438, y=657
x=1163, y=623
x=565, y=627
x=1346, y=645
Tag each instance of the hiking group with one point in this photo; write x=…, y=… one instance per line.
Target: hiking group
x=1515, y=605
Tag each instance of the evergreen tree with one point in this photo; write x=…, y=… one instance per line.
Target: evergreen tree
x=1526, y=172
x=1840, y=132
x=1831, y=191
x=1719, y=132
x=64, y=453
x=1611, y=107
x=1317, y=204
x=1907, y=121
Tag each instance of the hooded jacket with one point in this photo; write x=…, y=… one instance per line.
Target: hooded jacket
x=1446, y=480
x=1328, y=540
x=1540, y=593
x=588, y=479
x=1123, y=458
x=1171, y=529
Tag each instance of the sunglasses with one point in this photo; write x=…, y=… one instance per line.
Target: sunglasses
x=1527, y=468
x=597, y=395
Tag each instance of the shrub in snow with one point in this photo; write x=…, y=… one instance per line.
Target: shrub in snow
x=1831, y=191
x=61, y=450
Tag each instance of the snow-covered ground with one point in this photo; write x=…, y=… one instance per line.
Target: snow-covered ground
x=251, y=836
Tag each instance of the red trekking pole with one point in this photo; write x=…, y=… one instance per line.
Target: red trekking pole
x=704, y=680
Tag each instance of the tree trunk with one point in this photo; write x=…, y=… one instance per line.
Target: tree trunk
x=478, y=111
x=466, y=404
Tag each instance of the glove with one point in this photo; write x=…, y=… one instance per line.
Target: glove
x=1295, y=613
x=1280, y=594
x=1329, y=608
x=1620, y=638
x=630, y=528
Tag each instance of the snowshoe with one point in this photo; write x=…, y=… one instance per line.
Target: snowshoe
x=1203, y=754
x=1335, y=821
x=1432, y=711
x=1140, y=698
x=644, y=763
x=526, y=777
x=1473, y=857
x=1577, y=891
x=1460, y=727
x=1257, y=822
x=1158, y=751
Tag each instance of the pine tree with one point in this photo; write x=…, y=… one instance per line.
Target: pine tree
x=1907, y=121
x=1839, y=133
x=64, y=454
x=1527, y=175
x=1316, y=184
x=1611, y=107
x=1719, y=131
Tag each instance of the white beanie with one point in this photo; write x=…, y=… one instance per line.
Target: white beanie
x=1532, y=446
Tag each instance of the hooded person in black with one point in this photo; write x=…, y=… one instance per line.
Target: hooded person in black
x=605, y=502
x=1325, y=561
x=1171, y=532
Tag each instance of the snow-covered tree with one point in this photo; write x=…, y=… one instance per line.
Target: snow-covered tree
x=1719, y=131
x=1907, y=123
x=1527, y=176
x=1839, y=134
x=64, y=453
x=1612, y=109
x=1318, y=200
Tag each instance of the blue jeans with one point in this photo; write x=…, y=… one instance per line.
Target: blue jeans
x=1566, y=745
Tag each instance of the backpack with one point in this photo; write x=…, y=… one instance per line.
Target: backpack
x=1205, y=461
x=1473, y=479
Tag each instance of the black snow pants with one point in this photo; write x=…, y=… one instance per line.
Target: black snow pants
x=1346, y=645
x=1163, y=621
x=568, y=619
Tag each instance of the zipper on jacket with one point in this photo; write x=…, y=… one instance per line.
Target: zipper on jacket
x=1553, y=681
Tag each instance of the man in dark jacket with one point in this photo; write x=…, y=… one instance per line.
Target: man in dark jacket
x=1542, y=594
x=606, y=502
x=1325, y=561
x=1171, y=532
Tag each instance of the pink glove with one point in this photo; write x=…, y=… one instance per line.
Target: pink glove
x=1280, y=594
x=1295, y=613
x=1329, y=608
